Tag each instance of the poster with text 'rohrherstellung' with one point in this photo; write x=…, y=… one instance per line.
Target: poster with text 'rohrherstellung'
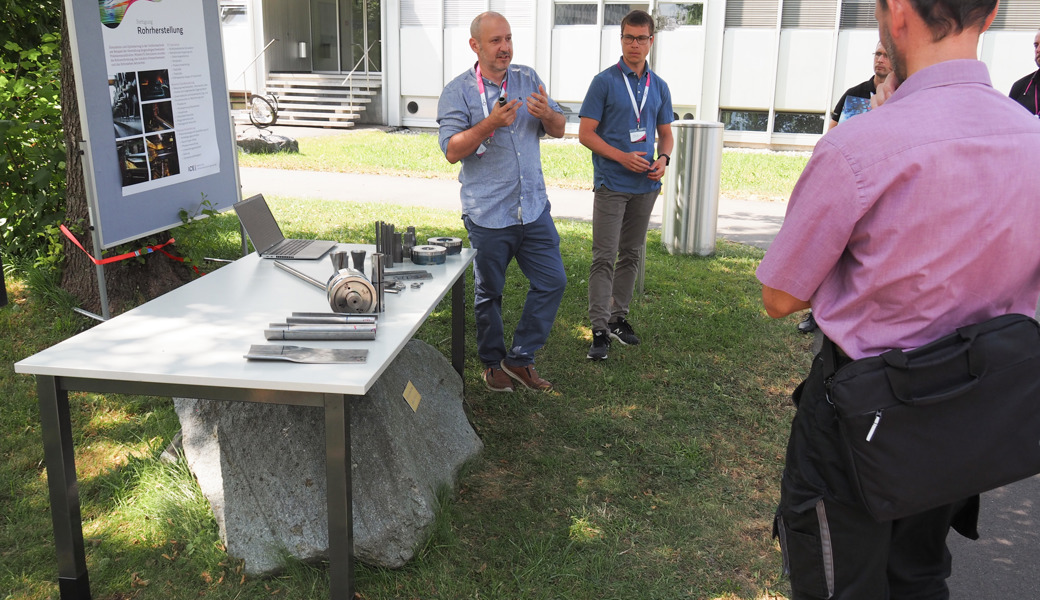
x=159, y=86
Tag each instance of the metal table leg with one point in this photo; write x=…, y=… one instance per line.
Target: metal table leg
x=73, y=582
x=458, y=324
x=341, y=517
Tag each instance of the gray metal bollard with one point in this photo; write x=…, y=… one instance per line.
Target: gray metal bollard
x=690, y=217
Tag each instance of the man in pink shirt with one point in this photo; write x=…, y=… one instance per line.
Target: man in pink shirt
x=909, y=221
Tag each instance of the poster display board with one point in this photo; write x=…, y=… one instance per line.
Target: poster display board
x=153, y=102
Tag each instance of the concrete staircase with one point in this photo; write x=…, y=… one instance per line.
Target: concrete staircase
x=322, y=100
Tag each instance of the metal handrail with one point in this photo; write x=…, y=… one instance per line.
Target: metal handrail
x=364, y=57
x=255, y=58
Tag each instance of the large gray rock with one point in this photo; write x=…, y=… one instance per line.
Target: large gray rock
x=268, y=143
x=262, y=466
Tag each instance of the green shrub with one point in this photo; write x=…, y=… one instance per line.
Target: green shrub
x=32, y=149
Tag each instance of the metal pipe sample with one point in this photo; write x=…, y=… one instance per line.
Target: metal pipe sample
x=303, y=276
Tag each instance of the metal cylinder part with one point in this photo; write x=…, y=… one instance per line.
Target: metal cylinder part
x=453, y=245
x=398, y=248
x=429, y=255
x=339, y=259
x=379, y=282
x=358, y=258
x=349, y=291
x=353, y=331
x=386, y=247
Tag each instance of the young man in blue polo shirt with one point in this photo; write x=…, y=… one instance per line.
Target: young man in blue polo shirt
x=627, y=108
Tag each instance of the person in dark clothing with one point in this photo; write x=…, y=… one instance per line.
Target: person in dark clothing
x=1024, y=91
x=882, y=67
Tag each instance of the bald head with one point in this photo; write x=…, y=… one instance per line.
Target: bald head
x=474, y=27
x=492, y=41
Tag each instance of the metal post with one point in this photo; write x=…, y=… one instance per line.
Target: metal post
x=3, y=284
x=341, y=515
x=56, y=426
x=458, y=325
x=88, y=180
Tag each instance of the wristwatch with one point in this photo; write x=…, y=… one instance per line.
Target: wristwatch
x=667, y=159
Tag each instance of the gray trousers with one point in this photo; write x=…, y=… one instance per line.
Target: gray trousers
x=619, y=223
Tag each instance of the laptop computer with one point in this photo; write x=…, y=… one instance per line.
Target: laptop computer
x=267, y=238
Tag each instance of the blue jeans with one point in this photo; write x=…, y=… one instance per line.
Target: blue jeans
x=536, y=248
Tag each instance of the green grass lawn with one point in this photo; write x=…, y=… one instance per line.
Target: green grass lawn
x=651, y=475
x=565, y=163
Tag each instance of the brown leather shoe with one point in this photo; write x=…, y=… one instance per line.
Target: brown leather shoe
x=527, y=376
x=496, y=380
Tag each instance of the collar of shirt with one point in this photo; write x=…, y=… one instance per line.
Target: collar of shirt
x=628, y=71
x=948, y=72
x=504, y=186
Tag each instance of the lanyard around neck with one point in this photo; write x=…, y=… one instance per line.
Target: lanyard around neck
x=1036, y=97
x=483, y=96
x=631, y=95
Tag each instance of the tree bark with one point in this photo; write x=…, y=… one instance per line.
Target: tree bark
x=129, y=282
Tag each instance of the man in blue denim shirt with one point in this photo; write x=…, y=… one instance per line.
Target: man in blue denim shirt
x=486, y=123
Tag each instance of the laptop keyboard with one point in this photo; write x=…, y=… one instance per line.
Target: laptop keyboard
x=293, y=246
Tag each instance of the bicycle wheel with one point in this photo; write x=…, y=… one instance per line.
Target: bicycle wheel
x=261, y=112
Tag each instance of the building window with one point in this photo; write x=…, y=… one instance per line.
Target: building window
x=1021, y=15
x=571, y=13
x=674, y=14
x=744, y=120
x=613, y=13
x=808, y=14
x=795, y=122
x=858, y=14
x=751, y=13
x=570, y=111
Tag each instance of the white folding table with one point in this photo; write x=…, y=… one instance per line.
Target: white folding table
x=190, y=343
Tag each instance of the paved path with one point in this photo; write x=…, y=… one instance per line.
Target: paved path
x=745, y=221
x=1002, y=565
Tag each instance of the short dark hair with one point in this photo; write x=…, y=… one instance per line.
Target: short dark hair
x=638, y=18
x=944, y=17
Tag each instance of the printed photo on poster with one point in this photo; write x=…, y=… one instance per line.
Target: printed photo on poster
x=133, y=162
x=162, y=155
x=126, y=108
x=158, y=116
x=155, y=85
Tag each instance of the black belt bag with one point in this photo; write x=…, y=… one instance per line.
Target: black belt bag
x=943, y=422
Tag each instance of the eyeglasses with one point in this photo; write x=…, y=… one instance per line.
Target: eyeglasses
x=641, y=40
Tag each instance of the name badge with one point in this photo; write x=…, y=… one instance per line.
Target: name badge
x=637, y=135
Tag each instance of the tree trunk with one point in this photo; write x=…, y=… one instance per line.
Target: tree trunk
x=129, y=282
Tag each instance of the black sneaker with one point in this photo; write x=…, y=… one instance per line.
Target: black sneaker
x=808, y=324
x=621, y=331
x=600, y=345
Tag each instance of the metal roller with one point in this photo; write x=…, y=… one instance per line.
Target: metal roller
x=453, y=245
x=349, y=291
x=429, y=255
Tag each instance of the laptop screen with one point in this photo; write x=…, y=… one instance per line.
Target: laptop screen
x=259, y=223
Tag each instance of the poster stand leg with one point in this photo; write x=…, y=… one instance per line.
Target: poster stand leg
x=91, y=193
x=102, y=287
